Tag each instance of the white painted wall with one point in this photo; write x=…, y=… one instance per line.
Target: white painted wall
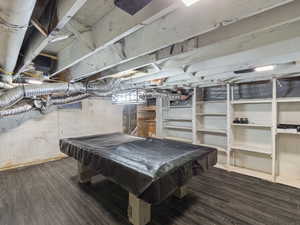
x=38, y=139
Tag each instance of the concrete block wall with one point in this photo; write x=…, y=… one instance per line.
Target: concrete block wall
x=37, y=139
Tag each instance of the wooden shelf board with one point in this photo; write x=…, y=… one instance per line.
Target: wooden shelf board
x=221, y=149
x=180, y=107
x=178, y=119
x=178, y=128
x=288, y=131
x=291, y=99
x=252, y=125
x=146, y=110
x=288, y=181
x=217, y=131
x=249, y=172
x=215, y=101
x=251, y=149
x=179, y=139
x=250, y=101
x=211, y=114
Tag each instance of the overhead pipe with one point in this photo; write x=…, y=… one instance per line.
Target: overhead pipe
x=15, y=17
x=61, y=100
x=42, y=106
x=14, y=95
x=5, y=85
x=22, y=108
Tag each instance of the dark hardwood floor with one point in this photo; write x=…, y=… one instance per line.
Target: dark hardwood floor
x=49, y=194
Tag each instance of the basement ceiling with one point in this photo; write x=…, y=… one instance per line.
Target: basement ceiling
x=94, y=38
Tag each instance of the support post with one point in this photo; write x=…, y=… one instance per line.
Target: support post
x=139, y=212
x=229, y=121
x=181, y=192
x=274, y=130
x=84, y=173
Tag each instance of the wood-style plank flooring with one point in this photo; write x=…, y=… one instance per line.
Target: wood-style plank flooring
x=49, y=194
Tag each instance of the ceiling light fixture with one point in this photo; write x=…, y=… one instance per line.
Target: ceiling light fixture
x=189, y=2
x=265, y=68
x=33, y=81
x=60, y=38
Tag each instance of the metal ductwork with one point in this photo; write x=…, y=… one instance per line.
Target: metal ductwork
x=61, y=100
x=41, y=106
x=19, y=109
x=14, y=95
x=5, y=85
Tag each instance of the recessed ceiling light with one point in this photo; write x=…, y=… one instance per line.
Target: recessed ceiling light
x=189, y=2
x=264, y=68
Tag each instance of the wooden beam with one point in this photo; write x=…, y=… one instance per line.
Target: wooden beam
x=113, y=27
x=49, y=55
x=66, y=9
x=39, y=27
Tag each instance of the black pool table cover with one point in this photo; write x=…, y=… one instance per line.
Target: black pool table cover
x=150, y=168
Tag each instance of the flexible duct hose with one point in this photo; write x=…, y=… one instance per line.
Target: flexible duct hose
x=5, y=85
x=68, y=99
x=22, y=108
x=12, y=96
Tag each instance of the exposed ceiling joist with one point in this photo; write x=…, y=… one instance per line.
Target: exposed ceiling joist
x=112, y=27
x=218, y=61
x=172, y=29
x=66, y=9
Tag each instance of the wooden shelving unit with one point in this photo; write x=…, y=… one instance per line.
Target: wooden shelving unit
x=178, y=128
x=146, y=120
x=212, y=126
x=176, y=121
x=211, y=114
x=256, y=149
x=252, y=125
x=206, y=132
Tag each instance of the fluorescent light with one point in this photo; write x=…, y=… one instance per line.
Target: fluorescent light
x=264, y=68
x=189, y=2
x=32, y=81
x=60, y=38
x=135, y=96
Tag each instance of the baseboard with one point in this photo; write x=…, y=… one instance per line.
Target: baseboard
x=35, y=162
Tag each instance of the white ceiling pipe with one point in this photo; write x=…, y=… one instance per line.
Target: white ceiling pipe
x=16, y=15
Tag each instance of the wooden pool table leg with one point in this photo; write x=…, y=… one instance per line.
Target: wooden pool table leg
x=181, y=192
x=84, y=173
x=139, y=212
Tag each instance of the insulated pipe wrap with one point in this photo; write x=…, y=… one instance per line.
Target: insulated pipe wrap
x=11, y=97
x=16, y=110
x=46, y=89
x=69, y=99
x=5, y=85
